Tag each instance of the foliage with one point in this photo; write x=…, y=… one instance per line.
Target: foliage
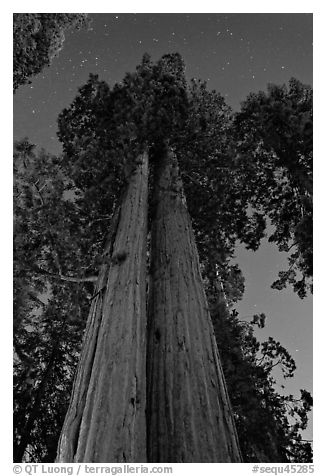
x=146, y=108
x=47, y=349
x=49, y=312
x=103, y=129
x=269, y=423
x=273, y=133
x=38, y=38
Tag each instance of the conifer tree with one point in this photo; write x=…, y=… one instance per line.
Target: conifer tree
x=104, y=133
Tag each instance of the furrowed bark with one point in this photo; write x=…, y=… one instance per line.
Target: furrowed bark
x=105, y=421
x=189, y=417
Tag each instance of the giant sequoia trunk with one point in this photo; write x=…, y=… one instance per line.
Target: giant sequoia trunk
x=105, y=421
x=189, y=418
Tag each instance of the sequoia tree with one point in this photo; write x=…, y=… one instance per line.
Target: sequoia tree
x=204, y=430
x=105, y=132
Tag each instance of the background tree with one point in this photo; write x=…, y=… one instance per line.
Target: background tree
x=273, y=133
x=269, y=422
x=38, y=38
x=44, y=366
x=48, y=305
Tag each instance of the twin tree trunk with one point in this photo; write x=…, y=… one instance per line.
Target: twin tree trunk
x=177, y=408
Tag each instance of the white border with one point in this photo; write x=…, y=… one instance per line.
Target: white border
x=276, y=6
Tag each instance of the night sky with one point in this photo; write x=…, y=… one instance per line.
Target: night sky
x=236, y=54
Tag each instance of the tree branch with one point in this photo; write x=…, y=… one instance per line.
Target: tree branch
x=71, y=279
x=38, y=191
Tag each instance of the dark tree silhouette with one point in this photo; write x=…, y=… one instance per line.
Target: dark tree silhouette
x=38, y=38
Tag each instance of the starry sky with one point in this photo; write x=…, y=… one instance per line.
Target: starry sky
x=236, y=54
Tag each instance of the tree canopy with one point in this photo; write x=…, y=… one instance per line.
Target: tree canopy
x=38, y=38
x=274, y=137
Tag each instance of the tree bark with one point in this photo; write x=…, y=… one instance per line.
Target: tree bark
x=189, y=418
x=106, y=421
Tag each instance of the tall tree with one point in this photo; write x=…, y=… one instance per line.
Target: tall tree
x=153, y=105
x=102, y=132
